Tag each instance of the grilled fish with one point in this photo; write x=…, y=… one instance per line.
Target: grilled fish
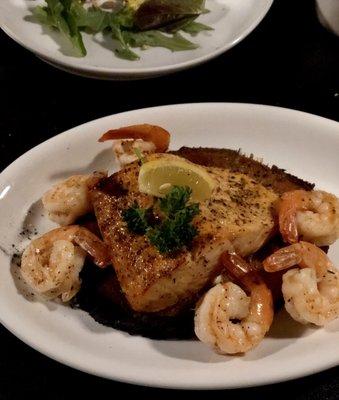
x=239, y=216
x=271, y=177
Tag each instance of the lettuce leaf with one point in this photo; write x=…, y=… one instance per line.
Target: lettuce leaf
x=153, y=38
x=70, y=17
x=193, y=28
x=43, y=15
x=123, y=50
x=57, y=15
x=92, y=19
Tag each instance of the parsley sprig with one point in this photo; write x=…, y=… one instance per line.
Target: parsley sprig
x=175, y=230
x=136, y=219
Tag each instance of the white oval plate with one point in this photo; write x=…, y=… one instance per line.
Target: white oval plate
x=232, y=21
x=305, y=145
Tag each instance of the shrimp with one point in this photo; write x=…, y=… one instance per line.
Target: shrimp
x=126, y=151
x=149, y=133
x=68, y=200
x=311, y=292
x=51, y=264
x=234, y=319
x=313, y=216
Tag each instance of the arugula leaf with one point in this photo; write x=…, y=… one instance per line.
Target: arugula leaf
x=154, y=38
x=97, y=20
x=193, y=28
x=119, y=22
x=43, y=15
x=57, y=14
x=177, y=25
x=123, y=50
x=70, y=17
x=73, y=31
x=124, y=18
x=94, y=19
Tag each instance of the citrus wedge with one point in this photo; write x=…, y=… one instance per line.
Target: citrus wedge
x=156, y=177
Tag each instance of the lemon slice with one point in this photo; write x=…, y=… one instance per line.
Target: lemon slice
x=156, y=178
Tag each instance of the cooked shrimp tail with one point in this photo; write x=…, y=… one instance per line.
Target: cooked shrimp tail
x=311, y=291
x=291, y=203
x=282, y=259
x=95, y=247
x=235, y=265
x=251, y=282
x=312, y=215
x=303, y=254
x=52, y=263
x=68, y=200
x=149, y=133
x=234, y=319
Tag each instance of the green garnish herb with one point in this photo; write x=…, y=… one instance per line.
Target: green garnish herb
x=155, y=23
x=175, y=200
x=136, y=219
x=175, y=230
x=138, y=153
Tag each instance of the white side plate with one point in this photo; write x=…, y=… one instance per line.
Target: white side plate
x=232, y=21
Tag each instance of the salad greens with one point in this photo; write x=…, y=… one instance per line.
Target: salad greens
x=174, y=230
x=155, y=23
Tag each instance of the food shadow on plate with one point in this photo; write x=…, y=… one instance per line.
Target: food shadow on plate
x=284, y=331
x=285, y=327
x=92, y=325
x=64, y=46
x=205, y=354
x=103, y=161
x=332, y=327
x=30, y=225
x=29, y=230
x=106, y=41
x=191, y=350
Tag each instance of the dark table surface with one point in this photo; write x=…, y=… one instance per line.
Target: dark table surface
x=288, y=61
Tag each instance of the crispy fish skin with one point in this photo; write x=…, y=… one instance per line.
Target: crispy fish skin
x=237, y=216
x=271, y=177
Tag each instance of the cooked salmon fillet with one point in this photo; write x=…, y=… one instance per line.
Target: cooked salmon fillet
x=238, y=216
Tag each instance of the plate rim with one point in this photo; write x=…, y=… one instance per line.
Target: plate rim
x=95, y=71
x=160, y=382
x=256, y=106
